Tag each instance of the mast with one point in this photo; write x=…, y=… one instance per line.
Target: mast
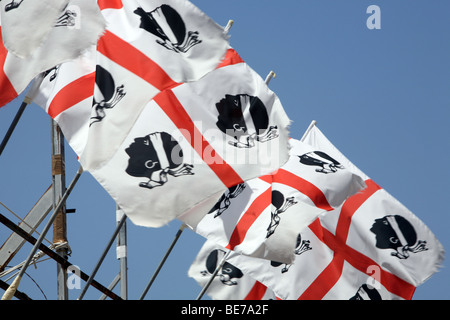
x=122, y=254
x=60, y=223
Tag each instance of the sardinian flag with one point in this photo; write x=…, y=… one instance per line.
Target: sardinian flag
x=178, y=154
x=78, y=27
x=230, y=283
x=264, y=216
x=371, y=248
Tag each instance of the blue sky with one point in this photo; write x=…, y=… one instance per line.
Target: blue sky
x=381, y=96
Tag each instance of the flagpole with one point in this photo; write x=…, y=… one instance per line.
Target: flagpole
x=13, y=287
x=177, y=236
x=13, y=125
x=26, y=101
x=269, y=77
x=60, y=223
x=228, y=26
x=111, y=286
x=19, y=295
x=206, y=287
x=100, y=261
x=313, y=123
x=121, y=252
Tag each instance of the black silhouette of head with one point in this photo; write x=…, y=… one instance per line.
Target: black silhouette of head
x=154, y=152
x=231, y=114
x=392, y=230
x=228, y=271
x=175, y=32
x=366, y=293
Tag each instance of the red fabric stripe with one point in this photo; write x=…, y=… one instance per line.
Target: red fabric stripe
x=257, y=292
x=267, y=178
x=127, y=56
x=331, y=274
x=71, y=94
x=325, y=281
x=231, y=57
x=349, y=208
x=249, y=217
x=169, y=103
x=303, y=186
x=110, y=4
x=7, y=90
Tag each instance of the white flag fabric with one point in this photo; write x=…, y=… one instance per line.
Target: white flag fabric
x=79, y=26
x=230, y=283
x=195, y=141
x=263, y=217
x=26, y=24
x=372, y=247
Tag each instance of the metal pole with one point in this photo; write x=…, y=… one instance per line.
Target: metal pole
x=13, y=126
x=13, y=287
x=30, y=96
x=108, y=246
x=177, y=236
x=24, y=234
x=122, y=254
x=205, y=288
x=269, y=77
x=60, y=223
x=111, y=286
x=19, y=295
x=228, y=26
x=312, y=124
